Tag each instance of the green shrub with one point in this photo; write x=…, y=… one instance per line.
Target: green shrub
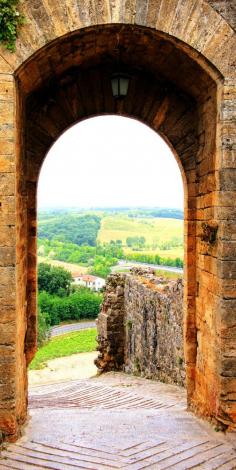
x=154, y=259
x=10, y=20
x=82, y=303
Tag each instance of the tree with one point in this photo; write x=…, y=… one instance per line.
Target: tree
x=82, y=303
x=129, y=241
x=54, y=280
x=79, y=229
x=137, y=242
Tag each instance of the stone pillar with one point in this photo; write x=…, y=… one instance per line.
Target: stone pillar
x=226, y=263
x=12, y=325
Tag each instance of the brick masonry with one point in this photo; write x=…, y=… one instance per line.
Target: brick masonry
x=180, y=54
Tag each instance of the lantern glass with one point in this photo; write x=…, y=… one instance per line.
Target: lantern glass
x=124, y=85
x=120, y=85
x=115, y=86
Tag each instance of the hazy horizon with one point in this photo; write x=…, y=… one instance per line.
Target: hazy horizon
x=108, y=207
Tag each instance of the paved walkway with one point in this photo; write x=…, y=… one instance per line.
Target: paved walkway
x=116, y=421
x=70, y=327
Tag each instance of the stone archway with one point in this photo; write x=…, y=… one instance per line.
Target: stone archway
x=179, y=55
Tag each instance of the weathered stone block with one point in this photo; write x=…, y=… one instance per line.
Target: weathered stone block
x=7, y=312
x=8, y=333
x=7, y=256
x=7, y=184
x=227, y=180
x=7, y=233
x=228, y=367
x=226, y=313
x=8, y=423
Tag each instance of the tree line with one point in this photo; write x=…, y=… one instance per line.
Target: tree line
x=59, y=300
x=101, y=258
x=78, y=229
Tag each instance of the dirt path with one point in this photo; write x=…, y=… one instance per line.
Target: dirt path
x=77, y=366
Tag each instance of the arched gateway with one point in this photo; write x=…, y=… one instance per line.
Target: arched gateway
x=179, y=55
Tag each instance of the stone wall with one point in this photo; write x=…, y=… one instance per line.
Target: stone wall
x=110, y=324
x=227, y=9
x=141, y=327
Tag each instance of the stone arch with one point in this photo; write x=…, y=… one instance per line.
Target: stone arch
x=179, y=55
x=195, y=23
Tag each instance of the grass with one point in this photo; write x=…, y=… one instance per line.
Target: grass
x=73, y=268
x=65, y=345
x=155, y=231
x=120, y=269
x=168, y=274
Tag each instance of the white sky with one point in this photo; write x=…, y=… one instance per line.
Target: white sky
x=110, y=161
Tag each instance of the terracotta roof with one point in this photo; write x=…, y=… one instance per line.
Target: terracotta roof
x=85, y=277
x=88, y=278
x=77, y=274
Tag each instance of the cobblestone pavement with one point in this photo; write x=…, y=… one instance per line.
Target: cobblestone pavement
x=116, y=421
x=61, y=330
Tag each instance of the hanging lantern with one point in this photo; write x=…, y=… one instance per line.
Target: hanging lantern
x=120, y=85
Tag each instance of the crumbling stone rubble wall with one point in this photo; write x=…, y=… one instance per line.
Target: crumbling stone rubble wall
x=111, y=326
x=141, y=327
x=154, y=328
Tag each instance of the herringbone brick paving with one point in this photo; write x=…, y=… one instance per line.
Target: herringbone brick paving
x=68, y=450
x=86, y=394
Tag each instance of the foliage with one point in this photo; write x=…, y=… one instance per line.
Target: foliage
x=102, y=266
x=137, y=242
x=65, y=345
x=99, y=259
x=10, y=20
x=78, y=229
x=107, y=255
x=154, y=259
x=54, y=279
x=82, y=303
x=166, y=213
x=64, y=251
x=43, y=327
x=150, y=240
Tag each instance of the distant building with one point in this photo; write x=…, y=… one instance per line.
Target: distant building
x=87, y=280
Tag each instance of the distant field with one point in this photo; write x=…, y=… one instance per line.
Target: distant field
x=177, y=252
x=155, y=231
x=73, y=268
